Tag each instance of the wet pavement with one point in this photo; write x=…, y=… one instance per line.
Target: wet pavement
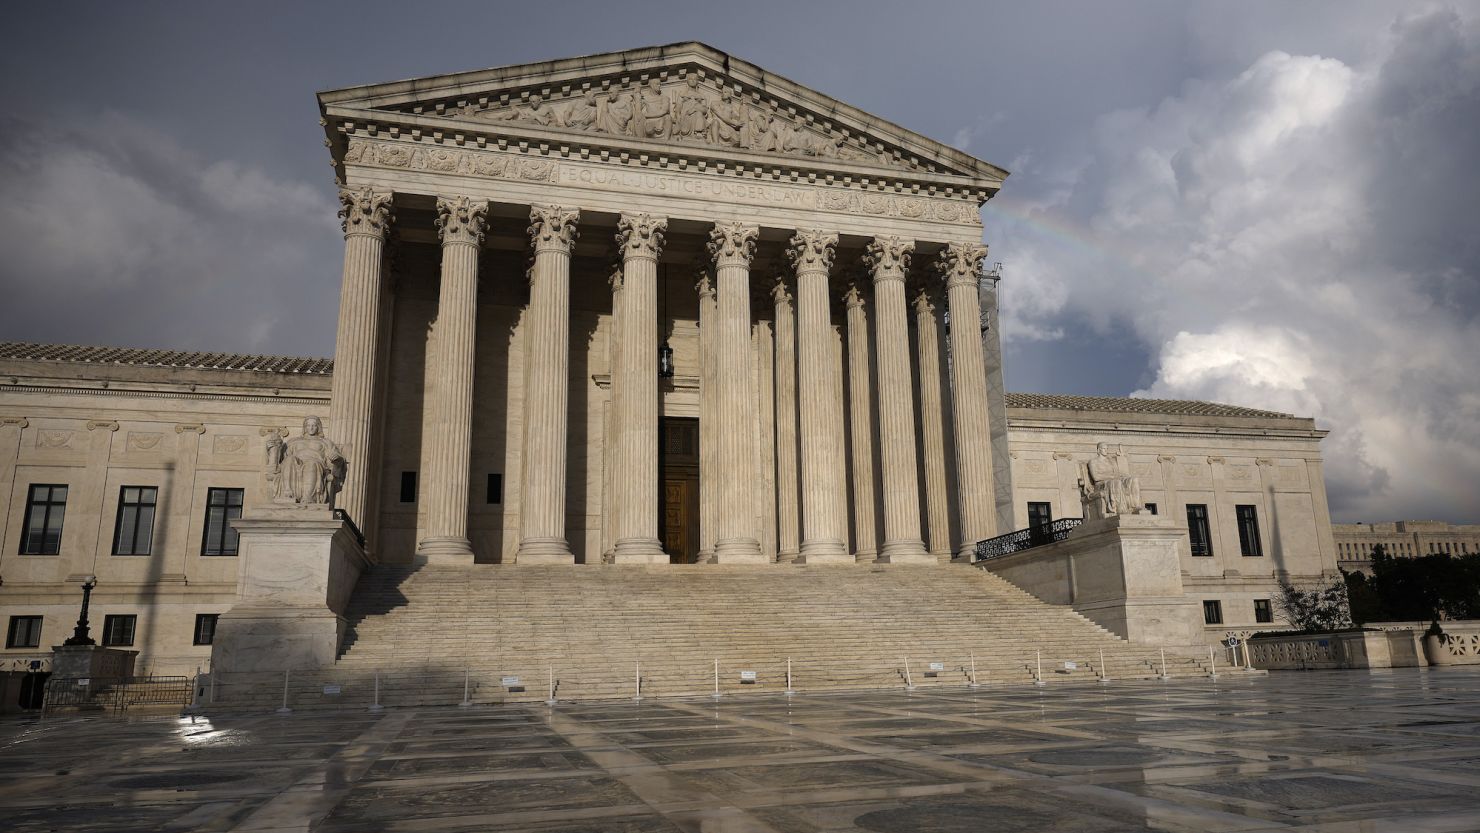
x=1316, y=751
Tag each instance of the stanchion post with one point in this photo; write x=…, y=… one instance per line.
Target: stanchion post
x=637, y=692
x=789, y=690
x=285, y=709
x=375, y=704
x=551, y=701
x=1038, y=665
x=467, y=679
x=973, y=684
x=1164, y=674
x=909, y=682
x=1104, y=675
x=716, y=678
x=1212, y=664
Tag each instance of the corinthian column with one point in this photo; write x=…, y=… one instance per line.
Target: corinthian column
x=635, y=392
x=460, y=222
x=889, y=257
x=960, y=265
x=708, y=413
x=932, y=423
x=861, y=425
x=365, y=215
x=788, y=501
x=546, y=389
x=824, y=519
x=737, y=539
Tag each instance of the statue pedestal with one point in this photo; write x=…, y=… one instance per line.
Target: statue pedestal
x=297, y=568
x=77, y=662
x=1122, y=572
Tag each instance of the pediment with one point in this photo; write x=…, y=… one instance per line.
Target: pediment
x=684, y=98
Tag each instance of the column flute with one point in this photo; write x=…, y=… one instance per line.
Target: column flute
x=960, y=266
x=737, y=541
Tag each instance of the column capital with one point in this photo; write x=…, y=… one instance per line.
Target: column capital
x=461, y=220
x=924, y=299
x=553, y=227
x=704, y=285
x=853, y=295
x=781, y=293
x=365, y=211
x=641, y=236
x=889, y=257
x=733, y=244
x=960, y=264
x=812, y=250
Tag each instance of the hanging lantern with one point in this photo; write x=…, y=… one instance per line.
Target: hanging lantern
x=665, y=361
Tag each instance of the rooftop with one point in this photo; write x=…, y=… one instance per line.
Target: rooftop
x=1129, y=404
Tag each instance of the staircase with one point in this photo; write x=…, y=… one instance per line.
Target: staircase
x=430, y=632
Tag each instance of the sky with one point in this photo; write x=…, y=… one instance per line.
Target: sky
x=1267, y=204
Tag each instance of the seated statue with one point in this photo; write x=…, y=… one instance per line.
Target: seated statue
x=307, y=469
x=1106, y=485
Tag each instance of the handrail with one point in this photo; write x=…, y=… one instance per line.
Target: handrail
x=342, y=515
x=1024, y=539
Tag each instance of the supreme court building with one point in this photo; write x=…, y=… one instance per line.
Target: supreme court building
x=656, y=306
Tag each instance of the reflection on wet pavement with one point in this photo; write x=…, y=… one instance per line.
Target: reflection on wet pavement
x=1322, y=751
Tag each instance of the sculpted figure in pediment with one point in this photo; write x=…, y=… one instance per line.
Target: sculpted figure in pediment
x=691, y=114
x=579, y=114
x=614, y=115
x=657, y=111
x=728, y=120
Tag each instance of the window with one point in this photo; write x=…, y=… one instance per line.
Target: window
x=46, y=505
x=1040, y=519
x=1151, y=507
x=25, y=632
x=408, y=487
x=1248, y=530
x=205, y=628
x=134, y=530
x=222, y=506
x=118, y=630
x=1263, y=613
x=495, y=488
x=1212, y=612
x=1197, y=529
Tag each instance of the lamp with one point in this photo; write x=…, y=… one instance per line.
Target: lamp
x=79, y=635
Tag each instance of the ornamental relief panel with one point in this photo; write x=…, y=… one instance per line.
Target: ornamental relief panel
x=53, y=438
x=142, y=441
x=228, y=444
x=411, y=156
x=1244, y=473
x=685, y=109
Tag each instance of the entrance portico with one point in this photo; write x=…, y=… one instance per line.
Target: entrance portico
x=512, y=269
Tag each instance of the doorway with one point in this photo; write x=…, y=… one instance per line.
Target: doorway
x=678, y=495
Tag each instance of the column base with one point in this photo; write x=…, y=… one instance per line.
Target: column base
x=868, y=556
x=905, y=552
x=964, y=555
x=544, y=551
x=639, y=551
x=446, y=549
x=827, y=551
x=739, y=551
x=787, y=556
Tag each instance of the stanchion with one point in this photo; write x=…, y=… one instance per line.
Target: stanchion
x=285, y=709
x=466, y=701
x=637, y=693
x=551, y=700
x=1038, y=664
x=909, y=682
x=375, y=705
x=1164, y=674
x=1104, y=676
x=212, y=672
x=716, y=678
x=1212, y=664
x=789, y=690
x=973, y=684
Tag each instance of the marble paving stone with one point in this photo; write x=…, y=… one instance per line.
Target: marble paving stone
x=1322, y=752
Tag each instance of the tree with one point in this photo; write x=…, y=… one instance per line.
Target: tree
x=1315, y=606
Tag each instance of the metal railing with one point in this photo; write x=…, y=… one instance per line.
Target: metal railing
x=342, y=515
x=116, y=694
x=1024, y=539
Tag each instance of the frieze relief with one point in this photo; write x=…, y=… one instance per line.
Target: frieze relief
x=142, y=441
x=53, y=438
x=501, y=165
x=684, y=109
x=229, y=444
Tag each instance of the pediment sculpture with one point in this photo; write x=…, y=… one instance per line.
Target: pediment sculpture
x=1107, y=486
x=306, y=470
x=684, y=110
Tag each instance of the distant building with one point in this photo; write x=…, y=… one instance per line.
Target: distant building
x=1402, y=539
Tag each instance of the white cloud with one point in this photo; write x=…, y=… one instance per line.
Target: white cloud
x=113, y=233
x=1298, y=236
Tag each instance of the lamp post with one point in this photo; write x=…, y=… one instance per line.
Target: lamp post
x=79, y=635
